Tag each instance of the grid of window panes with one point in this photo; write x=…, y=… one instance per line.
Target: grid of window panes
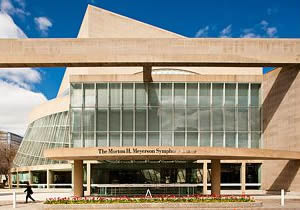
x=165, y=114
x=45, y=133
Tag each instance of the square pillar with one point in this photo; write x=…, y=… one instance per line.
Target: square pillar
x=88, y=178
x=72, y=176
x=204, y=177
x=9, y=181
x=243, y=177
x=147, y=73
x=18, y=180
x=78, y=178
x=49, y=178
x=215, y=177
x=30, y=177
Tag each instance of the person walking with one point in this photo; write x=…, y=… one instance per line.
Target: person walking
x=29, y=192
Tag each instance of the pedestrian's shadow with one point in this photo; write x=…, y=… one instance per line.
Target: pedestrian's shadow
x=31, y=202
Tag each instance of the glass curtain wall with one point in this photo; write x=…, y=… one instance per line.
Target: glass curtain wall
x=48, y=132
x=165, y=114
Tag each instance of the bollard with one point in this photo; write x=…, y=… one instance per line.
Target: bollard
x=14, y=200
x=282, y=197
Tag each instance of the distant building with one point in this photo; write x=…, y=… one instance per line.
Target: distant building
x=10, y=138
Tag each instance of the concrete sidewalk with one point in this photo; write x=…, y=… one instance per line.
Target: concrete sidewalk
x=6, y=199
x=267, y=205
x=40, y=195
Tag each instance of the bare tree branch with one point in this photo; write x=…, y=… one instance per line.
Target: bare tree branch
x=7, y=155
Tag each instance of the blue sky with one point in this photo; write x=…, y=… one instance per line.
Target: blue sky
x=191, y=18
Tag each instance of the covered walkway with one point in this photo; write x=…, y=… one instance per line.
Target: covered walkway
x=215, y=154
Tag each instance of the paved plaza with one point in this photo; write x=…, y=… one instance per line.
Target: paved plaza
x=269, y=201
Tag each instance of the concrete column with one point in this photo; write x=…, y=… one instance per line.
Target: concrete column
x=49, y=178
x=9, y=181
x=18, y=180
x=147, y=73
x=205, y=177
x=215, y=177
x=72, y=176
x=78, y=178
x=243, y=177
x=30, y=177
x=88, y=178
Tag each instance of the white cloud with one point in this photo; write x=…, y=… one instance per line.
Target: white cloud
x=15, y=84
x=202, y=32
x=43, y=24
x=15, y=107
x=262, y=29
x=23, y=77
x=226, y=32
x=264, y=24
x=8, y=28
x=250, y=35
x=6, y=6
x=271, y=31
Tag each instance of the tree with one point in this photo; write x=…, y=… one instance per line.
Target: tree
x=7, y=155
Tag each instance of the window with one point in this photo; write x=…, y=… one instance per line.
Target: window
x=217, y=94
x=166, y=113
x=76, y=95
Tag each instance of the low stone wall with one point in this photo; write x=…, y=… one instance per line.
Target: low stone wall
x=229, y=205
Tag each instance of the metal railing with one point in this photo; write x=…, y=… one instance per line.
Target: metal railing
x=141, y=189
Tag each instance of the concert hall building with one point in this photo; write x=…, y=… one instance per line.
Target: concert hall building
x=171, y=129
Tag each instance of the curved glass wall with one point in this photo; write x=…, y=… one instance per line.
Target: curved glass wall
x=165, y=114
x=45, y=133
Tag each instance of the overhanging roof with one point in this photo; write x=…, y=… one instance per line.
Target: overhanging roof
x=148, y=51
x=168, y=153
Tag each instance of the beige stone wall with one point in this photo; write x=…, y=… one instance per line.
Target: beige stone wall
x=166, y=78
x=121, y=71
x=281, y=126
x=57, y=167
x=50, y=107
x=185, y=153
x=106, y=24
